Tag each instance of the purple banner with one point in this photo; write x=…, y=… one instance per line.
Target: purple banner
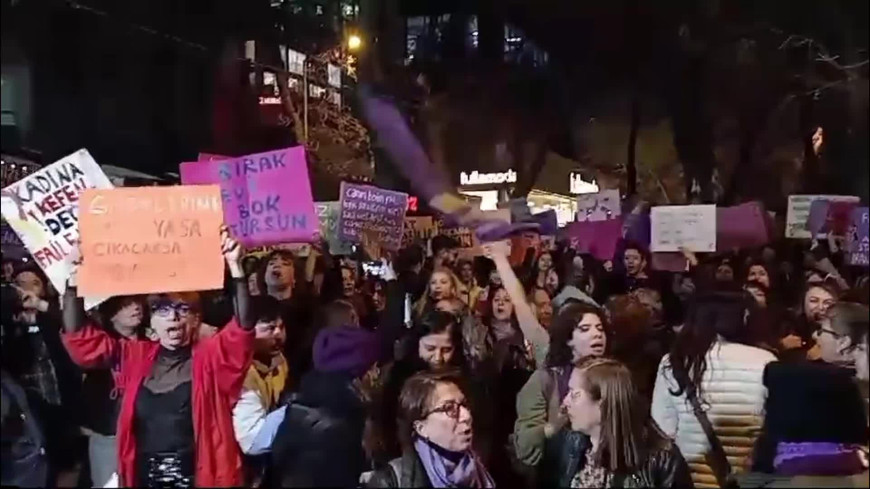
x=741, y=226
x=266, y=196
x=598, y=238
x=859, y=243
x=364, y=207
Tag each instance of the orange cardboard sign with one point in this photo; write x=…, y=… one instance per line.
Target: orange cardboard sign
x=141, y=240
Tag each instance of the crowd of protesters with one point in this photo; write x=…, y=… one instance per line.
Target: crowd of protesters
x=444, y=370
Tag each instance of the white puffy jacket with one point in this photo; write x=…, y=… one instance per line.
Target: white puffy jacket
x=733, y=396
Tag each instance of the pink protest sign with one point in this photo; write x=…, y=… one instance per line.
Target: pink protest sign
x=598, y=238
x=741, y=226
x=266, y=196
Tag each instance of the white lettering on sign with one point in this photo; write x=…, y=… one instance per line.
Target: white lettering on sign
x=580, y=186
x=477, y=178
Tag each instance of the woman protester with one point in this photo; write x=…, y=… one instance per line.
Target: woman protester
x=578, y=333
x=443, y=286
x=816, y=419
x=34, y=355
x=437, y=437
x=175, y=425
x=711, y=366
x=124, y=318
x=613, y=442
x=318, y=444
x=434, y=344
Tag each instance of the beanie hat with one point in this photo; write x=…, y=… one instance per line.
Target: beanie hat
x=345, y=349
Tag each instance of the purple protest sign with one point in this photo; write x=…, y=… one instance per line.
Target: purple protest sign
x=598, y=238
x=364, y=207
x=741, y=226
x=548, y=222
x=266, y=196
x=859, y=243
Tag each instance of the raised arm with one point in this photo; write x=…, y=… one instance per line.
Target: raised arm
x=88, y=346
x=533, y=331
x=242, y=305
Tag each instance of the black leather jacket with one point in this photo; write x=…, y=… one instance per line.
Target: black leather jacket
x=663, y=468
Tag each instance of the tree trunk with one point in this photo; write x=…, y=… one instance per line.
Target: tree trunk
x=631, y=160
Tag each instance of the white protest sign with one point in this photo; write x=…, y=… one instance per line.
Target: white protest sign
x=683, y=226
x=799, y=212
x=43, y=210
x=601, y=206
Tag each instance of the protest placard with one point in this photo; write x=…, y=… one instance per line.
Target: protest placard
x=43, y=209
x=741, y=226
x=142, y=240
x=831, y=218
x=858, y=241
x=375, y=209
x=692, y=227
x=599, y=206
x=266, y=196
x=798, y=214
x=598, y=238
x=418, y=229
x=328, y=214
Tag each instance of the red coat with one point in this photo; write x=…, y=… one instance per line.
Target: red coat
x=219, y=367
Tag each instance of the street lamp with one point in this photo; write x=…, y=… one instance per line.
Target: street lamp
x=354, y=42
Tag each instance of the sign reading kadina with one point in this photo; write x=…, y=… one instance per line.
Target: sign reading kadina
x=375, y=209
x=142, y=240
x=43, y=209
x=266, y=196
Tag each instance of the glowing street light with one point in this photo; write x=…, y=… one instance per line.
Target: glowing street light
x=354, y=42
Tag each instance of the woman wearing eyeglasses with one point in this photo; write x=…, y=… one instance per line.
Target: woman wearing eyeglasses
x=815, y=415
x=175, y=424
x=437, y=435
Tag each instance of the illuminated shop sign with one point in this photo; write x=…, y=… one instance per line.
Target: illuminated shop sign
x=478, y=178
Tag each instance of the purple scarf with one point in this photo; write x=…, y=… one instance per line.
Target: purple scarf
x=468, y=472
x=818, y=458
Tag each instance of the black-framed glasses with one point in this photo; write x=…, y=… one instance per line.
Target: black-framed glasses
x=169, y=308
x=451, y=408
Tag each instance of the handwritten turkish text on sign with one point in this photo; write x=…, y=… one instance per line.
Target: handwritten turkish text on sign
x=266, y=196
x=858, y=239
x=328, y=214
x=44, y=210
x=418, y=229
x=143, y=240
x=796, y=220
x=375, y=209
x=599, y=206
x=683, y=226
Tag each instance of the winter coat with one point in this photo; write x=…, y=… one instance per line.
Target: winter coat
x=23, y=444
x=538, y=402
x=319, y=443
x=733, y=395
x=220, y=364
x=664, y=467
x=409, y=468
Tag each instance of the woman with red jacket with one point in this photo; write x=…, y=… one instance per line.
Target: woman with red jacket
x=175, y=425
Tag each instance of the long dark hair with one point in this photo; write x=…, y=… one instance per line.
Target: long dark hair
x=562, y=329
x=436, y=322
x=710, y=315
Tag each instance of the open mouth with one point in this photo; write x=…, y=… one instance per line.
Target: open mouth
x=598, y=346
x=174, y=333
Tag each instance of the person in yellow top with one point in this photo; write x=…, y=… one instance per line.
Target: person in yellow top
x=256, y=416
